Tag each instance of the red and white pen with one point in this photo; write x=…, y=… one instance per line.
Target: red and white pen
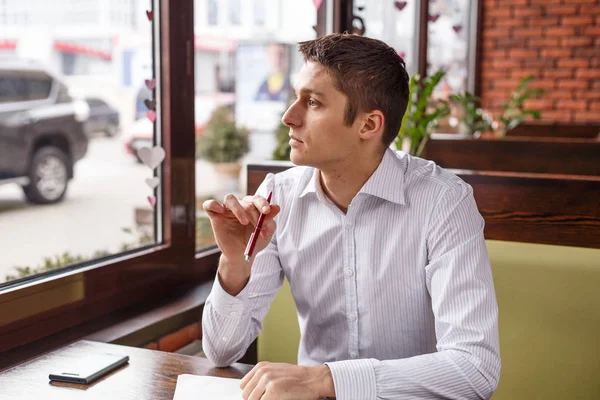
x=256, y=233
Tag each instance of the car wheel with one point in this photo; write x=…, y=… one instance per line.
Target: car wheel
x=48, y=176
x=111, y=130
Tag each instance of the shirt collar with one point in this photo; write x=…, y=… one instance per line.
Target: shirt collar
x=390, y=169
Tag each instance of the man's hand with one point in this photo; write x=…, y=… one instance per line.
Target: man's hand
x=233, y=222
x=270, y=381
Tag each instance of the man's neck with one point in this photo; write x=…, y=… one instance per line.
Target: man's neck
x=342, y=182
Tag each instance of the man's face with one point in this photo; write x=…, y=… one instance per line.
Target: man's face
x=319, y=137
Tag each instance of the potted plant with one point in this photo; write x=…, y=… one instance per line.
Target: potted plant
x=224, y=144
x=514, y=111
x=422, y=114
x=473, y=119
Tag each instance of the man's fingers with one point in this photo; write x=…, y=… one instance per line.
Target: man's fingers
x=275, y=208
x=261, y=204
x=251, y=211
x=248, y=377
x=268, y=228
x=213, y=206
x=254, y=389
x=233, y=204
x=257, y=393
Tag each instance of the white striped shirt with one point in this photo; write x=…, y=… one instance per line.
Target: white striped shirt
x=396, y=296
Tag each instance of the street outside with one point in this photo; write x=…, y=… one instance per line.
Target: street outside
x=101, y=201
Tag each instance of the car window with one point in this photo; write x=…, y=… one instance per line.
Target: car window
x=24, y=86
x=38, y=86
x=12, y=87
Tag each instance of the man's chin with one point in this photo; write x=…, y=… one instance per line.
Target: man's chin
x=300, y=160
x=296, y=158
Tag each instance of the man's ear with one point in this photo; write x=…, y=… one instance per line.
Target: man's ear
x=373, y=123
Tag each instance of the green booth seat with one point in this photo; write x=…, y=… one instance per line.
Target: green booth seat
x=549, y=307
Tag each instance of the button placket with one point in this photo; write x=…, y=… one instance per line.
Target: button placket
x=350, y=285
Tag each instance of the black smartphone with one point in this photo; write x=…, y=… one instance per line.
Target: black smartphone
x=89, y=368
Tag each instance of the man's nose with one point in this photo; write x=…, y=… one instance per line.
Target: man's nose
x=291, y=117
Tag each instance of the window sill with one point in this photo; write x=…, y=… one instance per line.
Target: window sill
x=134, y=326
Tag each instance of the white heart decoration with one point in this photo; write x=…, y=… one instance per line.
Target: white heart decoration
x=153, y=182
x=151, y=157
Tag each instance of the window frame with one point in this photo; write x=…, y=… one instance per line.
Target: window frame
x=83, y=293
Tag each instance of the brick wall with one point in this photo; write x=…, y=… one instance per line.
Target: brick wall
x=556, y=41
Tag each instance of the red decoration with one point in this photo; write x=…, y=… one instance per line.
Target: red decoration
x=400, y=5
x=150, y=15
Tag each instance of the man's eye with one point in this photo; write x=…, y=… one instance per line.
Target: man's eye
x=311, y=102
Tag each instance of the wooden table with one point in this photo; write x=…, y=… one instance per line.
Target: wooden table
x=150, y=375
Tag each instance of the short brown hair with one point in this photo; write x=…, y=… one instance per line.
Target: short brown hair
x=368, y=71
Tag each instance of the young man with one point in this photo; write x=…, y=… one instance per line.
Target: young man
x=384, y=252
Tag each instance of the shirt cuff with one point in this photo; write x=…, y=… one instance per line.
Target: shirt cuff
x=353, y=379
x=226, y=304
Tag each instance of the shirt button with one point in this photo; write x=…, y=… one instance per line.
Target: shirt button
x=353, y=355
x=233, y=314
x=348, y=272
x=348, y=225
x=352, y=317
x=224, y=338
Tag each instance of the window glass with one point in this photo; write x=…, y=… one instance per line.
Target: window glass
x=73, y=187
x=448, y=44
x=243, y=85
x=259, y=12
x=235, y=17
x=212, y=12
x=448, y=49
x=394, y=23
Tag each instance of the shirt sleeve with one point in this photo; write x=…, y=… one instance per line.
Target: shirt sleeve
x=459, y=281
x=230, y=324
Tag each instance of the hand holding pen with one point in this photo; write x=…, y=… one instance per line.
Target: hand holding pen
x=242, y=228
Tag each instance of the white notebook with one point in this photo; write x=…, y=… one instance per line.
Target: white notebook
x=194, y=387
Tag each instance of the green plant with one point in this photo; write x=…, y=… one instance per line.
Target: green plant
x=514, y=111
x=142, y=237
x=282, y=149
x=223, y=141
x=473, y=118
x=422, y=113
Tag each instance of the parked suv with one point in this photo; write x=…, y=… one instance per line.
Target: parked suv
x=42, y=131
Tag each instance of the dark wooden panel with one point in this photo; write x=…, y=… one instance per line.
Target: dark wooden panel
x=588, y=131
x=150, y=374
x=559, y=210
x=520, y=207
x=423, y=37
x=518, y=154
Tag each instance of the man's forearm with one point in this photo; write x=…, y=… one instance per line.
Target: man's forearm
x=445, y=374
x=226, y=324
x=234, y=275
